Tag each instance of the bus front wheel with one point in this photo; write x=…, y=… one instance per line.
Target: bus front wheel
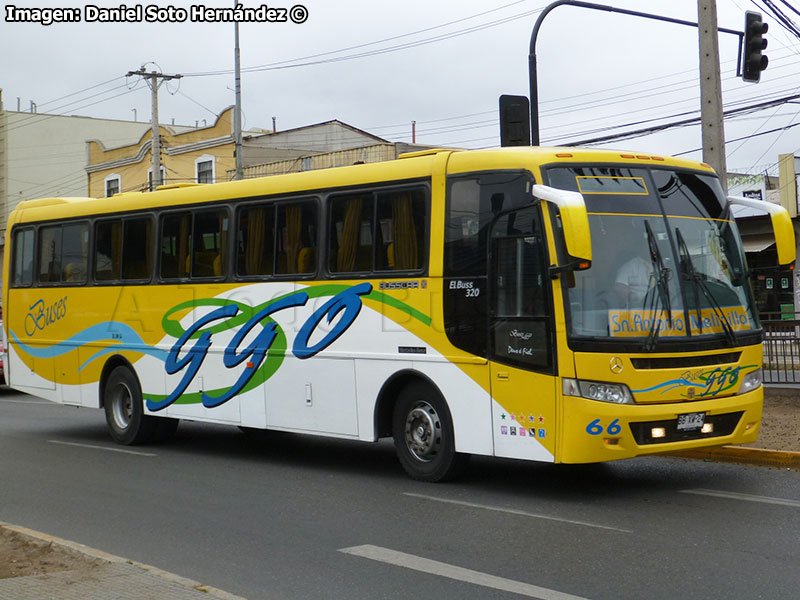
x=423, y=435
x=122, y=400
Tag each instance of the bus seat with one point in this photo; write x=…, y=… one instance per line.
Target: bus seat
x=305, y=260
x=74, y=272
x=390, y=255
x=217, y=265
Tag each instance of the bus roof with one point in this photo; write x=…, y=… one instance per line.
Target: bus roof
x=416, y=165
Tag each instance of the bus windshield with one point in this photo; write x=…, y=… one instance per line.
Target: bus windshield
x=667, y=259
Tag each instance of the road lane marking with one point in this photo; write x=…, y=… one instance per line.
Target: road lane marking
x=106, y=448
x=434, y=567
x=746, y=497
x=513, y=511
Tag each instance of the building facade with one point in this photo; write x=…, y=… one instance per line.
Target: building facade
x=44, y=155
x=776, y=289
x=188, y=155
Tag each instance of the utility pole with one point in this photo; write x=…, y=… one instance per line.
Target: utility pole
x=713, y=126
x=153, y=78
x=237, y=111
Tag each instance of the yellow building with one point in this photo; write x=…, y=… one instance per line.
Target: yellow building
x=206, y=154
x=187, y=156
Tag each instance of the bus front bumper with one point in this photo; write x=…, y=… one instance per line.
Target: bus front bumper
x=598, y=431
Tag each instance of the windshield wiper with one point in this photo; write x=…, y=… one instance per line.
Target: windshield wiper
x=687, y=267
x=699, y=284
x=661, y=276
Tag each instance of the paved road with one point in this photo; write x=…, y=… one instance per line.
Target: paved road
x=303, y=518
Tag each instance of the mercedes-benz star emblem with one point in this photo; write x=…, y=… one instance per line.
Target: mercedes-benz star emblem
x=615, y=365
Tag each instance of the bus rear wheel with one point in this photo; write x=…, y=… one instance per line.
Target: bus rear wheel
x=122, y=400
x=423, y=435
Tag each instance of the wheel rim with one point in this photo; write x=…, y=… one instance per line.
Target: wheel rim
x=122, y=406
x=423, y=431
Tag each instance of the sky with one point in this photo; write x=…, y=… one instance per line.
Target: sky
x=443, y=63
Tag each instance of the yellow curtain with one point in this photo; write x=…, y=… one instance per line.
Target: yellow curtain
x=254, y=253
x=348, y=245
x=404, y=233
x=294, y=224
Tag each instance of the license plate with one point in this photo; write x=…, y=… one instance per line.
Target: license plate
x=691, y=421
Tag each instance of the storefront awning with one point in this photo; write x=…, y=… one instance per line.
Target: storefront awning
x=757, y=243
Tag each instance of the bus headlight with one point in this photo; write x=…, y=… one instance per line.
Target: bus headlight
x=615, y=393
x=751, y=381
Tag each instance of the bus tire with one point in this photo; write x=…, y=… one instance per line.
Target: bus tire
x=122, y=400
x=423, y=435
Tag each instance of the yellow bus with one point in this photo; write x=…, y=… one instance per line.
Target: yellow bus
x=550, y=304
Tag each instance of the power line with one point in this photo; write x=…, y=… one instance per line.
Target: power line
x=681, y=123
x=747, y=137
x=294, y=63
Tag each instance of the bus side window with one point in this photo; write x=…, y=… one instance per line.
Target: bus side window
x=256, y=241
x=350, y=235
x=176, y=238
x=63, y=253
x=136, y=249
x=50, y=254
x=23, y=258
x=75, y=249
x=210, y=234
x=297, y=238
x=107, y=250
x=400, y=230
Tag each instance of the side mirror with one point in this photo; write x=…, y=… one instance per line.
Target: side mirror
x=574, y=218
x=781, y=226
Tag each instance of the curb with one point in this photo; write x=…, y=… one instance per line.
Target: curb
x=111, y=558
x=747, y=456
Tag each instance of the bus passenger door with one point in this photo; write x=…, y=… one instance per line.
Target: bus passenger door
x=521, y=339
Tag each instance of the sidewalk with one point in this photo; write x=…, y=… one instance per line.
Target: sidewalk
x=91, y=574
x=778, y=443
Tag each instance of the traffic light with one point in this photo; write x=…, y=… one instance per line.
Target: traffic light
x=753, y=62
x=515, y=124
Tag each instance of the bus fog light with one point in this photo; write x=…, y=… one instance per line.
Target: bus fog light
x=597, y=390
x=707, y=428
x=658, y=433
x=750, y=382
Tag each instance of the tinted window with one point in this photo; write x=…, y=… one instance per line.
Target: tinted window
x=23, y=258
x=108, y=250
x=377, y=231
x=473, y=202
x=296, y=238
x=136, y=249
x=350, y=234
x=210, y=234
x=256, y=241
x=63, y=253
x=400, y=231
x=176, y=238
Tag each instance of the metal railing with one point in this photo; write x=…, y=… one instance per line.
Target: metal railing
x=781, y=348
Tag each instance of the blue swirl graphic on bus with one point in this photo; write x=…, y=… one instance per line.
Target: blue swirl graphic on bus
x=711, y=382
x=122, y=336
x=347, y=302
x=263, y=352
